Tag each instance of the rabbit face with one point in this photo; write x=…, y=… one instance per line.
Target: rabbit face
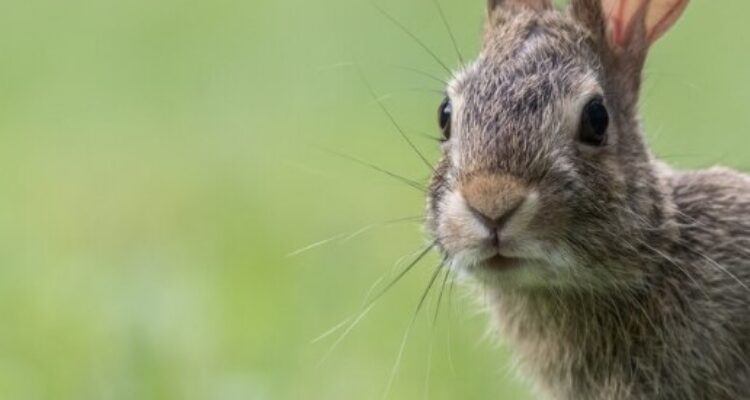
x=542, y=178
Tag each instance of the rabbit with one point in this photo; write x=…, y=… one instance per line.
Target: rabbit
x=612, y=275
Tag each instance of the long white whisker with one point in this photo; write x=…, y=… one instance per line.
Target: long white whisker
x=317, y=244
x=399, y=356
x=369, y=304
x=346, y=236
x=343, y=323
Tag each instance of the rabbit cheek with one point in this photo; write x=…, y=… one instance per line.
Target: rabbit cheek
x=550, y=220
x=457, y=229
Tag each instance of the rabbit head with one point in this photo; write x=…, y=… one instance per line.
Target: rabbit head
x=545, y=178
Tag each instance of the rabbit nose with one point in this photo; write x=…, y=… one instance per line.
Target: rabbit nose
x=493, y=199
x=492, y=222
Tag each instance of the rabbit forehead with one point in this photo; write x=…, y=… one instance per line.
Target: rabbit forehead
x=514, y=103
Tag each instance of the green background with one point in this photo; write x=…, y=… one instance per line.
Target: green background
x=159, y=160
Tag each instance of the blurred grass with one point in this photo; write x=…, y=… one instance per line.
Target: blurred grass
x=159, y=159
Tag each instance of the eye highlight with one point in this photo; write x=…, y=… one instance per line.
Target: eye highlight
x=594, y=123
x=444, y=118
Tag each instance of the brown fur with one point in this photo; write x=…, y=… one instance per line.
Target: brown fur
x=636, y=276
x=492, y=196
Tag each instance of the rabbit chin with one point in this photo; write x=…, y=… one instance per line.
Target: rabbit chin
x=528, y=269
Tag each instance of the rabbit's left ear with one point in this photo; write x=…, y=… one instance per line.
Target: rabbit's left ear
x=640, y=23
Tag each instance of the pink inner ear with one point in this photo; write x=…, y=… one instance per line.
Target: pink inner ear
x=661, y=16
x=621, y=16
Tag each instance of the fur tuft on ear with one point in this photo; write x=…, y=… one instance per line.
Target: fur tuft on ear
x=646, y=20
x=537, y=5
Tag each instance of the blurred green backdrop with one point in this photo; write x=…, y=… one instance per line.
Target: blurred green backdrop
x=160, y=159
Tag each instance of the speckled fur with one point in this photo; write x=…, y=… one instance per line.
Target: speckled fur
x=649, y=296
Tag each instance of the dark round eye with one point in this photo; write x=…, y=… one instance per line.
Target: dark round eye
x=444, y=118
x=594, y=123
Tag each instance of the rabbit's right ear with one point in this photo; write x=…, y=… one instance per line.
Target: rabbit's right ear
x=630, y=25
x=623, y=31
x=646, y=20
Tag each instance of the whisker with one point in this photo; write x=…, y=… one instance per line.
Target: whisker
x=400, y=354
x=440, y=295
x=407, y=181
x=422, y=73
x=428, y=136
x=316, y=245
x=404, y=272
x=345, y=333
x=392, y=118
x=413, y=36
x=446, y=275
x=342, y=323
x=429, y=366
x=391, y=222
x=450, y=323
x=371, y=303
x=450, y=31
x=431, y=91
x=330, y=332
x=347, y=236
x=386, y=96
x=344, y=65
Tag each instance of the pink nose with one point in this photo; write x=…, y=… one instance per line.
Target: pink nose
x=493, y=199
x=494, y=223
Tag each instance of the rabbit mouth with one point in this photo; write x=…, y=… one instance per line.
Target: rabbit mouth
x=500, y=263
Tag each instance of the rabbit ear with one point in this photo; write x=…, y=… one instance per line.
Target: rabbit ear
x=538, y=5
x=643, y=21
x=623, y=31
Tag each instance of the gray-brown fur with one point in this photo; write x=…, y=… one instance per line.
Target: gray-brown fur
x=647, y=291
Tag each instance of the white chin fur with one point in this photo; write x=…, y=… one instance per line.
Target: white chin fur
x=466, y=240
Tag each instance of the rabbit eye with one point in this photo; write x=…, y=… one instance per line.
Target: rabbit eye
x=444, y=118
x=594, y=123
